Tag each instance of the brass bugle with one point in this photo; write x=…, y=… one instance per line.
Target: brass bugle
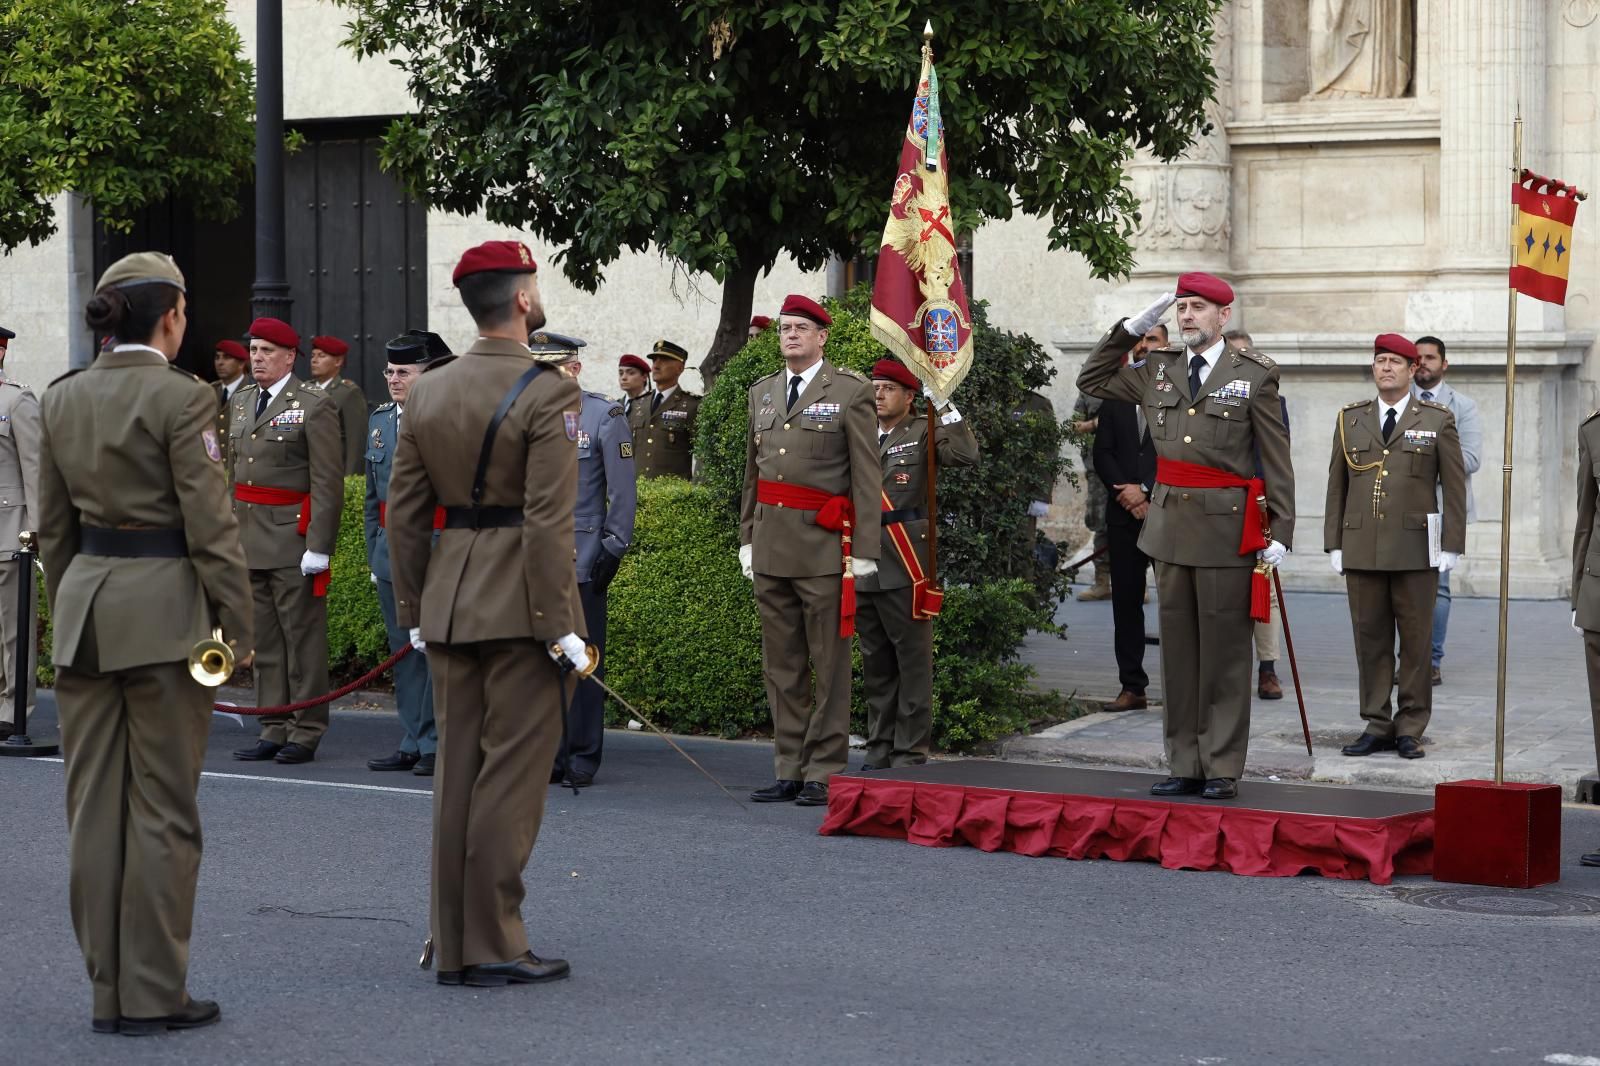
x=211, y=660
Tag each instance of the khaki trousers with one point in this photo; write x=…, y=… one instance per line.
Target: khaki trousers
x=1266, y=633
x=291, y=655
x=134, y=742
x=498, y=711
x=1383, y=603
x=1591, y=656
x=799, y=634
x=1205, y=668
x=9, y=575
x=897, y=672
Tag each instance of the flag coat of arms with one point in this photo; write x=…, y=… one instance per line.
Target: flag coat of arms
x=919, y=302
x=1542, y=236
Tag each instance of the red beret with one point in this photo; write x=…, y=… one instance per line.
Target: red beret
x=895, y=371
x=1395, y=344
x=805, y=307
x=232, y=349
x=635, y=362
x=760, y=322
x=502, y=257
x=1207, y=287
x=274, y=331
x=332, y=345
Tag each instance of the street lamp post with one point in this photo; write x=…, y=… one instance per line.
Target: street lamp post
x=269, y=296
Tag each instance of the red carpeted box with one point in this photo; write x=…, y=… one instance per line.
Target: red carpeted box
x=1504, y=835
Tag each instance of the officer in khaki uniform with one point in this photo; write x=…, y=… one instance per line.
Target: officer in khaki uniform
x=811, y=477
x=1395, y=459
x=19, y=510
x=285, y=466
x=894, y=607
x=141, y=556
x=230, y=361
x=327, y=364
x=1586, y=575
x=663, y=427
x=487, y=603
x=1209, y=410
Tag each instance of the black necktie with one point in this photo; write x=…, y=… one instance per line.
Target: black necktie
x=1427, y=394
x=1388, y=425
x=262, y=401
x=1196, y=365
x=794, y=390
x=655, y=402
x=882, y=436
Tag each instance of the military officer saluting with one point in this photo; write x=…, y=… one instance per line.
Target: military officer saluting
x=809, y=521
x=895, y=607
x=327, y=366
x=1209, y=410
x=493, y=438
x=1394, y=459
x=19, y=510
x=663, y=428
x=607, y=497
x=286, y=468
x=409, y=355
x=141, y=557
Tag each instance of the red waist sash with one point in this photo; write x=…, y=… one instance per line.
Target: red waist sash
x=1253, y=537
x=383, y=516
x=833, y=513
x=925, y=599
x=271, y=497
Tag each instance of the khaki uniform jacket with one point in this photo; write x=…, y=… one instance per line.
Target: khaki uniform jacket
x=1236, y=413
x=1379, y=516
x=663, y=442
x=828, y=442
x=19, y=463
x=130, y=443
x=487, y=584
x=294, y=445
x=1585, y=546
x=353, y=413
x=904, y=455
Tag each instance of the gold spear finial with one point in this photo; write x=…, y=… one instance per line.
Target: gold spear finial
x=927, y=31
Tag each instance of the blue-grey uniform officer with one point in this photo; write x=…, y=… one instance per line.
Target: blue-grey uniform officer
x=607, y=497
x=409, y=355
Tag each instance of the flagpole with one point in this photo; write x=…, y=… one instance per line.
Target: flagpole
x=1505, y=483
x=933, y=406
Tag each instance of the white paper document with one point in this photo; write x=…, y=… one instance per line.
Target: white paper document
x=1435, y=528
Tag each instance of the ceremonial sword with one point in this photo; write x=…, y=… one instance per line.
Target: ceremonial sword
x=1288, y=638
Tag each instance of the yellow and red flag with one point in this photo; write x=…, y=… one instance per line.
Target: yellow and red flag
x=919, y=302
x=1542, y=236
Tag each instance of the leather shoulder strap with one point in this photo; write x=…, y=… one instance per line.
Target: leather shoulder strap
x=500, y=412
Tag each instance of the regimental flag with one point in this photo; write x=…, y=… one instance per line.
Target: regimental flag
x=1542, y=236
x=919, y=303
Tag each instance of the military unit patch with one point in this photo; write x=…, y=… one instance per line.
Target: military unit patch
x=902, y=478
x=208, y=437
x=626, y=447
x=569, y=422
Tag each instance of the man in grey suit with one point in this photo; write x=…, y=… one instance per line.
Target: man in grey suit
x=1429, y=385
x=607, y=498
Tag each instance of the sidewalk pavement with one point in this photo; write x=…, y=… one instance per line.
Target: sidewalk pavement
x=1549, y=736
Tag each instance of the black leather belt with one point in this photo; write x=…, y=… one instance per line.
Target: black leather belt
x=133, y=543
x=903, y=514
x=482, y=517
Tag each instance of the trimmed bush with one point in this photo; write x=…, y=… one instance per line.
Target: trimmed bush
x=356, y=638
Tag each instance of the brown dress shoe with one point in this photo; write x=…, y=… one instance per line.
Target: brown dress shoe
x=1438, y=678
x=1129, y=700
x=1267, y=686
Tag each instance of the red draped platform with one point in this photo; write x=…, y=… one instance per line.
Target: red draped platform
x=1273, y=829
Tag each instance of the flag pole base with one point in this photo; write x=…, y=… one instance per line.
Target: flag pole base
x=1506, y=835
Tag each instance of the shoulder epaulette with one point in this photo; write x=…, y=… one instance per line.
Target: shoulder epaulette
x=1357, y=403
x=13, y=384
x=384, y=407
x=769, y=377
x=1435, y=404
x=191, y=375
x=1264, y=360
x=1591, y=417
x=68, y=374
x=847, y=372
x=1171, y=349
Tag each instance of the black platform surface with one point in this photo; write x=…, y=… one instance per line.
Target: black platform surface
x=1276, y=796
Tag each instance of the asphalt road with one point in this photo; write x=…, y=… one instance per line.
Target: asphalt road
x=702, y=932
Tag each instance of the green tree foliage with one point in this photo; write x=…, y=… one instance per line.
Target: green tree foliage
x=726, y=135
x=124, y=103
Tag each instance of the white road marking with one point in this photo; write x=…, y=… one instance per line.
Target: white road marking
x=1572, y=1060
x=315, y=784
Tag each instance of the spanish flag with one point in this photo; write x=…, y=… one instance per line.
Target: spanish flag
x=1542, y=237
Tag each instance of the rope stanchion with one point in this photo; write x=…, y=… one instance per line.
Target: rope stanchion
x=290, y=708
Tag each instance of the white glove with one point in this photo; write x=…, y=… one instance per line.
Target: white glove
x=373, y=576
x=313, y=563
x=951, y=416
x=573, y=647
x=863, y=567
x=416, y=639
x=1336, y=557
x=1272, y=554
x=1141, y=323
x=747, y=564
x=1448, y=561
x=1038, y=509
x=1576, y=628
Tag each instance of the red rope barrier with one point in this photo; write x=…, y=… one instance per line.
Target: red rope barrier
x=289, y=708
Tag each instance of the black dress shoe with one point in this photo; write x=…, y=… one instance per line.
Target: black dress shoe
x=424, y=767
x=777, y=792
x=294, y=753
x=449, y=977
x=528, y=970
x=579, y=779
x=1177, y=786
x=1366, y=744
x=868, y=767
x=814, y=794
x=1220, y=788
x=1409, y=748
x=6, y=729
x=557, y=775
x=197, y=1013
x=106, y=1025
x=260, y=751
x=400, y=760
x=1590, y=859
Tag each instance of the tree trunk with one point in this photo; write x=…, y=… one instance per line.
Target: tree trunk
x=733, y=329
